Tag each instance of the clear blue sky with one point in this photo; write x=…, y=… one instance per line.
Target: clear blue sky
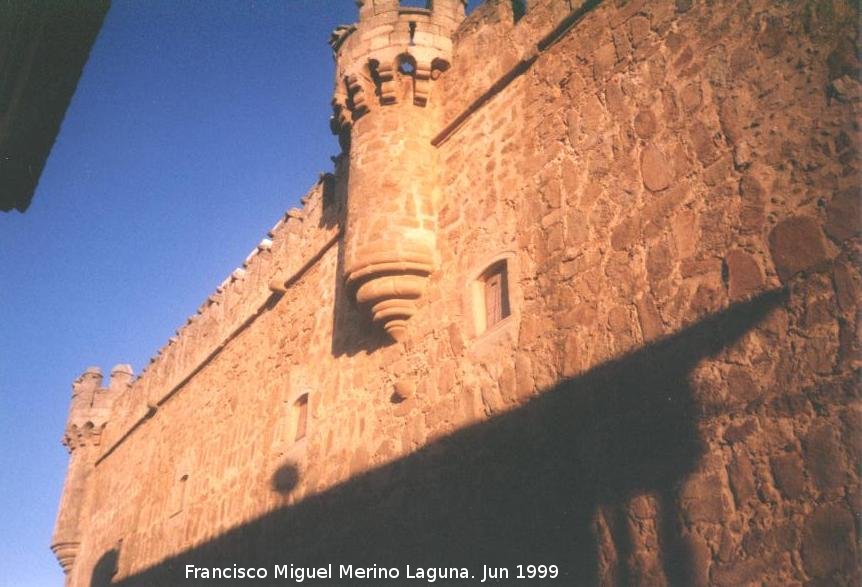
x=195, y=125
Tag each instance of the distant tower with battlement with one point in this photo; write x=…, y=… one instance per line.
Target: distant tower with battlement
x=385, y=114
x=88, y=416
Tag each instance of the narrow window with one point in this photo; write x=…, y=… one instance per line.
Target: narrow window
x=496, y=289
x=416, y=4
x=301, y=408
x=519, y=9
x=406, y=65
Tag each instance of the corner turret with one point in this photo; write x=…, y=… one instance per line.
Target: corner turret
x=385, y=114
x=89, y=413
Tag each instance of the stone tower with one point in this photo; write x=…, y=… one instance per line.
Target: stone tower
x=88, y=416
x=386, y=114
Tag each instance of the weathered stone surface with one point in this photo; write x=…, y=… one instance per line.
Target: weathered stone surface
x=789, y=475
x=702, y=499
x=844, y=215
x=739, y=573
x=796, y=245
x=739, y=432
x=701, y=559
x=659, y=262
x=750, y=189
x=823, y=456
x=741, y=384
x=843, y=60
x=625, y=234
x=744, y=274
x=760, y=542
x=704, y=141
x=645, y=124
x=650, y=320
x=741, y=477
x=654, y=169
x=846, y=289
x=827, y=542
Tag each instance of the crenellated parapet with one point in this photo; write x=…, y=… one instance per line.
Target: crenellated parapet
x=298, y=236
x=385, y=116
x=393, y=54
x=92, y=405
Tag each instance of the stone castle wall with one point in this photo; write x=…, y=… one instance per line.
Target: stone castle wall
x=673, y=399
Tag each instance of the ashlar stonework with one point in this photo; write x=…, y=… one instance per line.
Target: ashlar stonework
x=582, y=289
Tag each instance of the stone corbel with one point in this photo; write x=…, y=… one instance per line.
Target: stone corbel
x=356, y=96
x=66, y=553
x=422, y=83
x=383, y=73
x=389, y=278
x=340, y=120
x=88, y=434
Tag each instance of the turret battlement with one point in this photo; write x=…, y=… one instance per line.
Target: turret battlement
x=91, y=405
x=392, y=54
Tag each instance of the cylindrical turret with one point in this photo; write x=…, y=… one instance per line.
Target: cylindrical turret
x=66, y=536
x=88, y=415
x=386, y=115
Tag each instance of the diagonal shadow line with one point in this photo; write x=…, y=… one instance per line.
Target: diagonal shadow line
x=522, y=487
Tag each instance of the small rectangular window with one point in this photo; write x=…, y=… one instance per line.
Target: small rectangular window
x=496, y=286
x=301, y=408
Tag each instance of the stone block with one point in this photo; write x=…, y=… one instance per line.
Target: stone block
x=659, y=262
x=741, y=476
x=654, y=169
x=524, y=382
x=700, y=560
x=702, y=498
x=846, y=288
x=739, y=432
x=645, y=124
x=828, y=543
x=650, y=320
x=744, y=274
x=844, y=215
x=625, y=234
x=823, y=456
x=704, y=141
x=796, y=244
x=789, y=475
x=739, y=573
x=741, y=385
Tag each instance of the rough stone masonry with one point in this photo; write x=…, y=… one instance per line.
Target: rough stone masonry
x=582, y=289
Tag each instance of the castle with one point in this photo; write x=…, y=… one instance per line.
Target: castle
x=582, y=291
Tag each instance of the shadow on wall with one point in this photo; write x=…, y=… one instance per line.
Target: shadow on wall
x=105, y=569
x=524, y=487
